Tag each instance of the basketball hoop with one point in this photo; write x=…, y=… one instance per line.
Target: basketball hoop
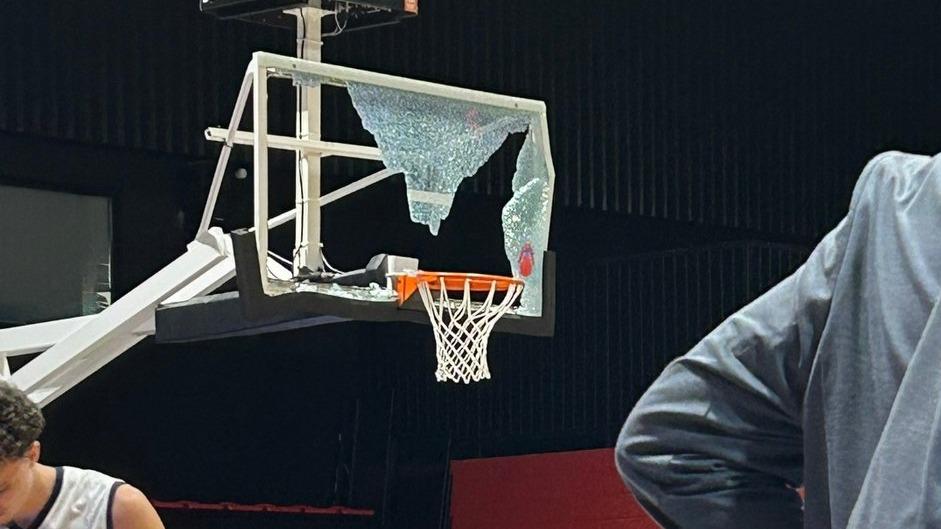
x=461, y=326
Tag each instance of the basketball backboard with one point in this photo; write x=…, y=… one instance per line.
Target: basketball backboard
x=432, y=136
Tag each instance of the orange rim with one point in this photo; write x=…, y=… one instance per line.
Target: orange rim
x=407, y=284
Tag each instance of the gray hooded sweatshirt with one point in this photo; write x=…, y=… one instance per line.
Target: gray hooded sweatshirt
x=831, y=380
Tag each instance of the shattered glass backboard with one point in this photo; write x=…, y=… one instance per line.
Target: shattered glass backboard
x=436, y=136
x=437, y=142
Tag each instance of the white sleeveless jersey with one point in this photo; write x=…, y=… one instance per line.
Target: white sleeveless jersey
x=81, y=499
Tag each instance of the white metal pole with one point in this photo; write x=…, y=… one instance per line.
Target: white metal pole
x=290, y=143
x=226, y=151
x=307, y=181
x=260, y=133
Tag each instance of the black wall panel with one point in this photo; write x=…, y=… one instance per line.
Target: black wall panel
x=721, y=113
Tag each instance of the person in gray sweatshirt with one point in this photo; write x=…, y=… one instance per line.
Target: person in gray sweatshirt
x=831, y=381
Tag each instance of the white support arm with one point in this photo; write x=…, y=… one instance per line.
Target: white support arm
x=226, y=151
x=37, y=337
x=362, y=183
x=287, y=143
x=111, y=332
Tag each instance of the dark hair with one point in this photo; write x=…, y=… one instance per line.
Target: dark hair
x=21, y=422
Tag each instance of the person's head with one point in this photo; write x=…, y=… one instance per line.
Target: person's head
x=21, y=422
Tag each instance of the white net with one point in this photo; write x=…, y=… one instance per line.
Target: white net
x=462, y=328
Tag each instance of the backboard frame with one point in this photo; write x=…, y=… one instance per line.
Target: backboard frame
x=261, y=69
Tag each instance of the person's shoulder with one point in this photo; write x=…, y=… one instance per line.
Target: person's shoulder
x=895, y=176
x=85, y=479
x=132, y=509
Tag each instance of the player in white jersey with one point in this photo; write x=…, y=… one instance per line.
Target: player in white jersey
x=37, y=496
